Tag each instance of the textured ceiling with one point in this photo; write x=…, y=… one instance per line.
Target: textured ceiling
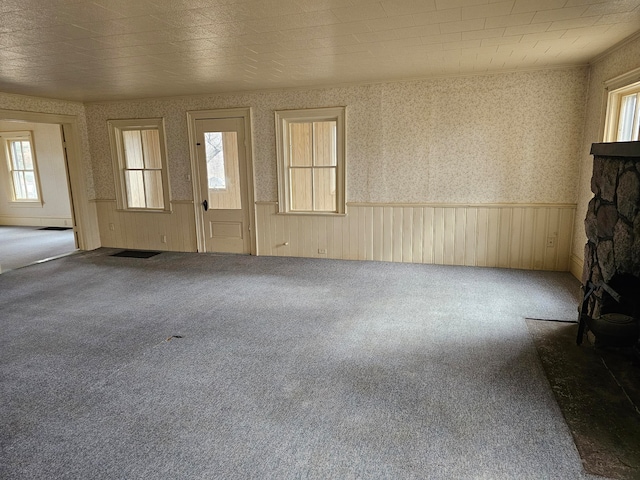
x=117, y=49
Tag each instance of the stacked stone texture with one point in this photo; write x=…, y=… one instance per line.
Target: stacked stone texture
x=613, y=222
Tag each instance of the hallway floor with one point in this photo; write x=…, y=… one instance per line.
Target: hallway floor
x=22, y=246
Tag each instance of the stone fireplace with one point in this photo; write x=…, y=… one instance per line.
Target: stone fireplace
x=612, y=252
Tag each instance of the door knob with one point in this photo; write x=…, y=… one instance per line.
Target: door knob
x=205, y=204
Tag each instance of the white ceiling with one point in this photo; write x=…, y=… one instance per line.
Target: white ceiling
x=116, y=49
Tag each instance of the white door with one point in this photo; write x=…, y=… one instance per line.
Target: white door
x=223, y=184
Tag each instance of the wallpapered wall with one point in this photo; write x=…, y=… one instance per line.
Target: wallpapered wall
x=58, y=107
x=480, y=139
x=618, y=62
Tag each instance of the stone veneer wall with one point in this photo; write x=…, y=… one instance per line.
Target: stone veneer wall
x=612, y=223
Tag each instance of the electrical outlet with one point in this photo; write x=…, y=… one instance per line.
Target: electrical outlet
x=112, y=227
x=322, y=251
x=163, y=239
x=551, y=242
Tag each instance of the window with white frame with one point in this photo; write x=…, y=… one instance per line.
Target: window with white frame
x=22, y=167
x=311, y=160
x=623, y=114
x=140, y=165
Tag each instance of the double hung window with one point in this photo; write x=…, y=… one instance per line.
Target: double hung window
x=623, y=114
x=311, y=160
x=139, y=159
x=21, y=163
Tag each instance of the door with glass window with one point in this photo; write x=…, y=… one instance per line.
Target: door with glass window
x=223, y=185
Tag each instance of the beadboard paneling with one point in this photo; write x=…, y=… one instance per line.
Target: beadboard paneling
x=533, y=237
x=36, y=221
x=144, y=231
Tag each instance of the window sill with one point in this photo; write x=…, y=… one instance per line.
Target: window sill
x=312, y=214
x=27, y=204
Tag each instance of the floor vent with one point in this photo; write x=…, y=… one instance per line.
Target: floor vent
x=135, y=254
x=58, y=229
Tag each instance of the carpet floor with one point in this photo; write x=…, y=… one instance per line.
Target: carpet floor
x=232, y=367
x=21, y=246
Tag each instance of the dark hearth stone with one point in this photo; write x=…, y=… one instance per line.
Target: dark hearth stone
x=591, y=225
x=608, y=181
x=588, y=262
x=635, y=249
x=596, y=178
x=605, y=259
x=622, y=244
x=596, y=275
x=628, y=194
x=607, y=216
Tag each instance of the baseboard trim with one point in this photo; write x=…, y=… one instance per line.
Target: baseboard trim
x=8, y=220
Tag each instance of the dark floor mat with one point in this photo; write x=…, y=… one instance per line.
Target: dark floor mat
x=58, y=229
x=598, y=391
x=136, y=254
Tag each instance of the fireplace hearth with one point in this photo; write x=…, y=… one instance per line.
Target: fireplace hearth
x=612, y=253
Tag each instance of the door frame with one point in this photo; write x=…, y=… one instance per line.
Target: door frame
x=83, y=212
x=245, y=115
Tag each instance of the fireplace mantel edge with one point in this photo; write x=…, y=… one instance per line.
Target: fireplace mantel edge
x=616, y=149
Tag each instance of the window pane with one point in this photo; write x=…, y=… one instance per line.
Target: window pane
x=300, y=139
x=214, y=154
x=324, y=184
x=16, y=156
x=135, y=188
x=627, y=114
x=324, y=143
x=301, y=195
x=153, y=188
x=19, y=187
x=30, y=185
x=26, y=155
x=151, y=148
x=225, y=166
x=132, y=149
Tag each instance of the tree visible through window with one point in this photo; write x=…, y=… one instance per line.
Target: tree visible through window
x=215, y=160
x=22, y=168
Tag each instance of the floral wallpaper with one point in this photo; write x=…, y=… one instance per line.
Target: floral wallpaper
x=505, y=138
x=59, y=107
x=618, y=62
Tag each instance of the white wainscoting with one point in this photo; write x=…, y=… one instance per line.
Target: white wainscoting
x=146, y=231
x=526, y=236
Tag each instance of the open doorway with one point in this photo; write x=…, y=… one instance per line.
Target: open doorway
x=36, y=213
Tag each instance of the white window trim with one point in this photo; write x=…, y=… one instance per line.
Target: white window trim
x=21, y=135
x=117, y=153
x=282, y=118
x=615, y=89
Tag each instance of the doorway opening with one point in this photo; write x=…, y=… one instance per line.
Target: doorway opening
x=36, y=209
